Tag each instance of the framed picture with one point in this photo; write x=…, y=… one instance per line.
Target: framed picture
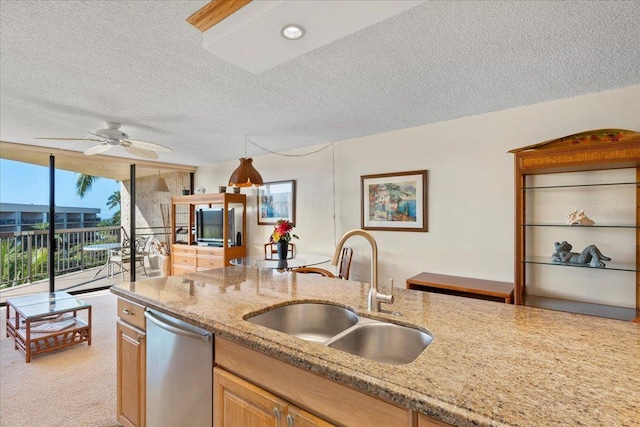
x=276, y=200
x=394, y=201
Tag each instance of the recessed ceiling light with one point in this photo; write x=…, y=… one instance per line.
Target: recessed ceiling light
x=292, y=32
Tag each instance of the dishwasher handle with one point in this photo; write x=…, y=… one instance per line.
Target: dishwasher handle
x=178, y=331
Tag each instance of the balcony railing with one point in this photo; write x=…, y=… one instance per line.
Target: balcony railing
x=24, y=255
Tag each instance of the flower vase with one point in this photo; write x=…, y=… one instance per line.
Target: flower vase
x=282, y=265
x=283, y=248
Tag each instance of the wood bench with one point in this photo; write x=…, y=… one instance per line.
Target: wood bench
x=462, y=286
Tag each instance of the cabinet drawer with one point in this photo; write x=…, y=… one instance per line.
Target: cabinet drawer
x=183, y=250
x=207, y=251
x=132, y=313
x=177, y=270
x=182, y=259
x=209, y=262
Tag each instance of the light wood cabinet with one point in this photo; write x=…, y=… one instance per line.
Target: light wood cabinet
x=131, y=364
x=328, y=401
x=187, y=253
x=600, y=172
x=302, y=418
x=208, y=259
x=185, y=259
x=252, y=389
x=425, y=421
x=240, y=403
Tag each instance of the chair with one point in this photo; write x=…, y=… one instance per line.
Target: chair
x=124, y=255
x=345, y=263
x=143, y=247
x=271, y=249
x=343, y=268
x=314, y=270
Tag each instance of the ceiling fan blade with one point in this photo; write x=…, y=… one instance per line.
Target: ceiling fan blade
x=147, y=145
x=140, y=152
x=70, y=139
x=97, y=149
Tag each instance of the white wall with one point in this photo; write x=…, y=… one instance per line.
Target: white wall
x=470, y=185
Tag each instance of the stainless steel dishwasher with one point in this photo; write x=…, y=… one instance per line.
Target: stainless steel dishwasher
x=179, y=373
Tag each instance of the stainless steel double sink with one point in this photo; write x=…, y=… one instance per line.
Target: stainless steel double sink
x=340, y=328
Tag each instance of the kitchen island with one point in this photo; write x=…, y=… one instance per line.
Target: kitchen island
x=489, y=364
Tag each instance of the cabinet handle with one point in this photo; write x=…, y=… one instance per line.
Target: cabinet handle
x=277, y=413
x=140, y=338
x=127, y=312
x=290, y=421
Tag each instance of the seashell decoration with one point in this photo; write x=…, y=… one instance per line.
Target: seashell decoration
x=578, y=217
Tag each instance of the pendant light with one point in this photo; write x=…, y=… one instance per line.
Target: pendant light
x=245, y=175
x=159, y=184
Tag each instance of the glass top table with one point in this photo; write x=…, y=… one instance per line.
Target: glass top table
x=34, y=306
x=47, y=321
x=108, y=247
x=38, y=298
x=300, y=260
x=102, y=247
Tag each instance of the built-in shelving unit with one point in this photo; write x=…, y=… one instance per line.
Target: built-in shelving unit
x=190, y=255
x=552, y=175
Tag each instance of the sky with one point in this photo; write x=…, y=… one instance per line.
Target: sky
x=29, y=184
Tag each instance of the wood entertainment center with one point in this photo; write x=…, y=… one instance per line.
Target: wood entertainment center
x=187, y=253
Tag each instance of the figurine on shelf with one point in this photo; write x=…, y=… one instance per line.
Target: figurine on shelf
x=590, y=255
x=578, y=217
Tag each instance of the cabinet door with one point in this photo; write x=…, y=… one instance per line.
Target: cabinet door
x=131, y=373
x=425, y=421
x=239, y=403
x=297, y=417
x=322, y=396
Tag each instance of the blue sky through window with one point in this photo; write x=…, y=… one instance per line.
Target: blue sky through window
x=29, y=184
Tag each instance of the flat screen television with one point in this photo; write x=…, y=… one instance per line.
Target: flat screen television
x=210, y=227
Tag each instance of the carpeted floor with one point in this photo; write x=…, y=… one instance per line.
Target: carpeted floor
x=74, y=386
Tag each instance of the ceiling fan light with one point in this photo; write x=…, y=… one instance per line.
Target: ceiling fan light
x=159, y=184
x=245, y=175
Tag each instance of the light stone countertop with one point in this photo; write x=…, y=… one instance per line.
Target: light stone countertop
x=490, y=364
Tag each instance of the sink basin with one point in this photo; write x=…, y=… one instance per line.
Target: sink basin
x=341, y=329
x=383, y=342
x=309, y=321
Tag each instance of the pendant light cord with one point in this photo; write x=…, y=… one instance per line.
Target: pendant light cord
x=282, y=154
x=333, y=172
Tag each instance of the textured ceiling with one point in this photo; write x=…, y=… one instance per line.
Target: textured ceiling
x=69, y=66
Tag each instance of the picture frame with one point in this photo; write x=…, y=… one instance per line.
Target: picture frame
x=277, y=200
x=394, y=201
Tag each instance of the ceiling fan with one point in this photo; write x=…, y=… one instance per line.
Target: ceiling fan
x=112, y=136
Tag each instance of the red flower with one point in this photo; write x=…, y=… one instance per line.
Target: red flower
x=282, y=231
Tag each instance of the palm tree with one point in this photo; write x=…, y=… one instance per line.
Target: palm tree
x=112, y=202
x=84, y=183
x=9, y=268
x=14, y=264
